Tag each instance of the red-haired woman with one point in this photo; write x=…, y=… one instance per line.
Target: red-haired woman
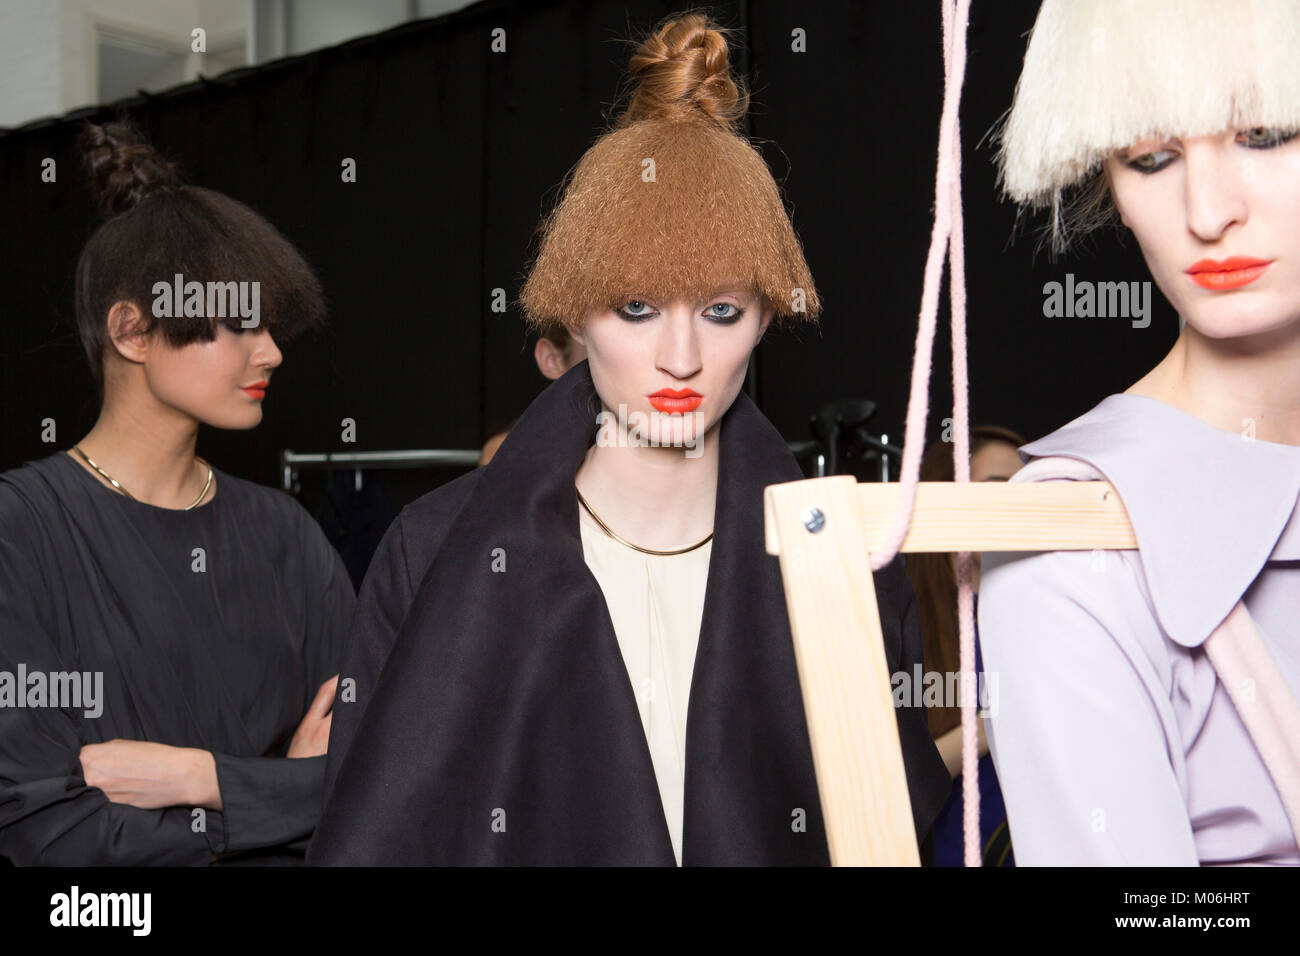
x=580, y=654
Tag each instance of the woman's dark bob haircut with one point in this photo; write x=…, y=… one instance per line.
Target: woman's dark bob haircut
x=158, y=228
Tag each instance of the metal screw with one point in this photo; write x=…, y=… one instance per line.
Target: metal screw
x=813, y=519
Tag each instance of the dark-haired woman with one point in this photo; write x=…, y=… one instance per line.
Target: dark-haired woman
x=170, y=631
x=934, y=576
x=580, y=653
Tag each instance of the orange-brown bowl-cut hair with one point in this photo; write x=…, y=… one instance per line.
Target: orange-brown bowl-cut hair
x=672, y=201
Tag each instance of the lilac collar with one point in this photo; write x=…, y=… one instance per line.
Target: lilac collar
x=1209, y=507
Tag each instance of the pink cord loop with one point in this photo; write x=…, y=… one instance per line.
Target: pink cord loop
x=946, y=235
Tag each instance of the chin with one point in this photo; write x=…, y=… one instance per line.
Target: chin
x=1223, y=320
x=241, y=421
x=677, y=430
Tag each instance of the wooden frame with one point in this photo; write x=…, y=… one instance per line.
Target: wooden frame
x=823, y=531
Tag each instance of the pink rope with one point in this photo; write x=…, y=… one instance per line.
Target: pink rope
x=947, y=232
x=961, y=463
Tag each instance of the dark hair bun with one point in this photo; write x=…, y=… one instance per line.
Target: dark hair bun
x=682, y=67
x=124, y=169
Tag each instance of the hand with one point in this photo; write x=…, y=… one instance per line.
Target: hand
x=312, y=737
x=151, y=776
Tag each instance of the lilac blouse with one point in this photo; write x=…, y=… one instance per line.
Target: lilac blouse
x=1113, y=739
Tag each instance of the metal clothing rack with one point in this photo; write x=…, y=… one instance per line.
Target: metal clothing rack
x=291, y=461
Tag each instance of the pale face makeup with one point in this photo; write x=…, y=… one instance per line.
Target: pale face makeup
x=214, y=382
x=1218, y=221
x=695, y=351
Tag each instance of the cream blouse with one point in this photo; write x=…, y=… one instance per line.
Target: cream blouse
x=655, y=603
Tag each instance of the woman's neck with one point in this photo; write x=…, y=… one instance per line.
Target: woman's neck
x=149, y=449
x=657, y=498
x=1250, y=386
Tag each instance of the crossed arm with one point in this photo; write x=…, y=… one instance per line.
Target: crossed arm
x=151, y=776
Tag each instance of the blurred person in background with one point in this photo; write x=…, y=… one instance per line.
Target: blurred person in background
x=934, y=576
x=556, y=352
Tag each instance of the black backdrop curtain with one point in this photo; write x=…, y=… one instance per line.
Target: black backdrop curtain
x=458, y=150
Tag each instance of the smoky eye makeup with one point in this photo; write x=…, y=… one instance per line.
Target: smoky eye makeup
x=638, y=310
x=1148, y=161
x=1267, y=137
x=719, y=318
x=1256, y=137
x=631, y=310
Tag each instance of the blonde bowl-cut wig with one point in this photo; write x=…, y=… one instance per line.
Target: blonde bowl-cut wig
x=672, y=201
x=1101, y=75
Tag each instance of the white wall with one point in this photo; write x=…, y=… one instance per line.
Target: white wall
x=290, y=27
x=50, y=50
x=31, y=58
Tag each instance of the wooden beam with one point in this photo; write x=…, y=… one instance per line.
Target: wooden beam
x=997, y=516
x=839, y=648
x=822, y=530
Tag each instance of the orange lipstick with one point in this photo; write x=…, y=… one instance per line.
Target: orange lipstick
x=1231, y=273
x=673, y=400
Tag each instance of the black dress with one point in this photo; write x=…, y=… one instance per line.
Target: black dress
x=212, y=628
x=492, y=719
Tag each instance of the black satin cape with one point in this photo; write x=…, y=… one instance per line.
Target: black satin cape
x=494, y=720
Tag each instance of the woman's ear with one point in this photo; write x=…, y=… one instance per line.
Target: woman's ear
x=550, y=361
x=126, y=331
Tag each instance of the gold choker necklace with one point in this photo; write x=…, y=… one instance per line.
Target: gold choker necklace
x=604, y=527
x=113, y=481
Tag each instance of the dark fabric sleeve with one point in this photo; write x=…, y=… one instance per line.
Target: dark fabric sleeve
x=400, y=564
x=272, y=800
x=331, y=603
x=268, y=801
x=48, y=816
x=385, y=596
x=928, y=781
